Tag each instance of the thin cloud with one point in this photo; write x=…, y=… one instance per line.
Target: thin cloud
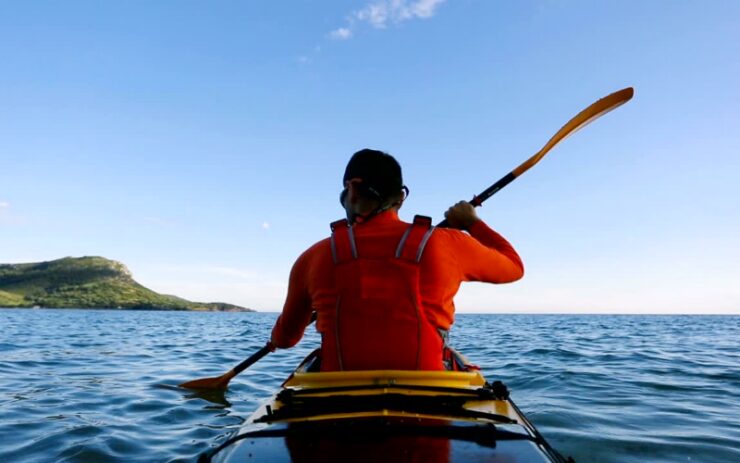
x=4, y=205
x=342, y=33
x=308, y=58
x=380, y=13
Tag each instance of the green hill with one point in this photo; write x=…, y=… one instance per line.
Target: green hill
x=86, y=282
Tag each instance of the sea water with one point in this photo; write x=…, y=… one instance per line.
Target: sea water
x=98, y=385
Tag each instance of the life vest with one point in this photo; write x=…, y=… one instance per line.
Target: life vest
x=379, y=322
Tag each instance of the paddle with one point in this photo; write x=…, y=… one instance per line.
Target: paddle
x=581, y=119
x=589, y=114
x=220, y=383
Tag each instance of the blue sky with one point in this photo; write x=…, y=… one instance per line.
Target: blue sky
x=202, y=143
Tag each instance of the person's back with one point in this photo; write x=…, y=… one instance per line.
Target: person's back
x=378, y=319
x=383, y=289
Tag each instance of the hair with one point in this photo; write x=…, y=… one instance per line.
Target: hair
x=381, y=176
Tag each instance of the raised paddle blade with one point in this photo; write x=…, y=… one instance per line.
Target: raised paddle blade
x=219, y=383
x=579, y=121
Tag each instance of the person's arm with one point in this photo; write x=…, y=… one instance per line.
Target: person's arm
x=511, y=267
x=488, y=256
x=296, y=314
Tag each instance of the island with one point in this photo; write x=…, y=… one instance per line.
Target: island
x=89, y=282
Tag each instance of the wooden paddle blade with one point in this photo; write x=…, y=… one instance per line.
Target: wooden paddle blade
x=222, y=382
x=579, y=121
x=219, y=383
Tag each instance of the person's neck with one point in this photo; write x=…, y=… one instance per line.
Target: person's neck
x=357, y=218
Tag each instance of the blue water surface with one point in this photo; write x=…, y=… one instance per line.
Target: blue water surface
x=98, y=385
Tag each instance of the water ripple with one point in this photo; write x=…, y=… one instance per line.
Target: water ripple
x=86, y=386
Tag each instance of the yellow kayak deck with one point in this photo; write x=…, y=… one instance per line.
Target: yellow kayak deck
x=389, y=416
x=393, y=388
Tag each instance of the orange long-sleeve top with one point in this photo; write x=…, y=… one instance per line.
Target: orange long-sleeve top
x=451, y=257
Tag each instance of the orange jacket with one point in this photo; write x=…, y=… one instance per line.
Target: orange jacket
x=450, y=257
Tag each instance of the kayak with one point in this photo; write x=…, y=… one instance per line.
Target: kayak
x=386, y=416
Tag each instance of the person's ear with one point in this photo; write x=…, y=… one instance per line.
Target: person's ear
x=352, y=190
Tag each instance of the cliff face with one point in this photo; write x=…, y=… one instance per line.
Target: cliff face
x=86, y=282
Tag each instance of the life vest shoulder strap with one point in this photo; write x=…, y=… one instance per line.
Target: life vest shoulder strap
x=343, y=247
x=414, y=240
x=410, y=247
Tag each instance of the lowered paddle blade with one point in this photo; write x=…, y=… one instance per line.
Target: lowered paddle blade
x=219, y=383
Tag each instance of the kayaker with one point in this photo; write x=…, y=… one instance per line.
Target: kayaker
x=382, y=288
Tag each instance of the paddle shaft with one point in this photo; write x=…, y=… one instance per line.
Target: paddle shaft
x=487, y=193
x=580, y=120
x=257, y=356
x=252, y=359
x=222, y=382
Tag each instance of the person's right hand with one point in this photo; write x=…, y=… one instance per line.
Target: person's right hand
x=461, y=216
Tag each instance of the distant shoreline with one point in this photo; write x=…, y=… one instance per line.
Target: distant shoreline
x=89, y=282
x=131, y=309
x=556, y=314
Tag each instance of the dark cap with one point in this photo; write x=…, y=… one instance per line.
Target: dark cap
x=379, y=171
